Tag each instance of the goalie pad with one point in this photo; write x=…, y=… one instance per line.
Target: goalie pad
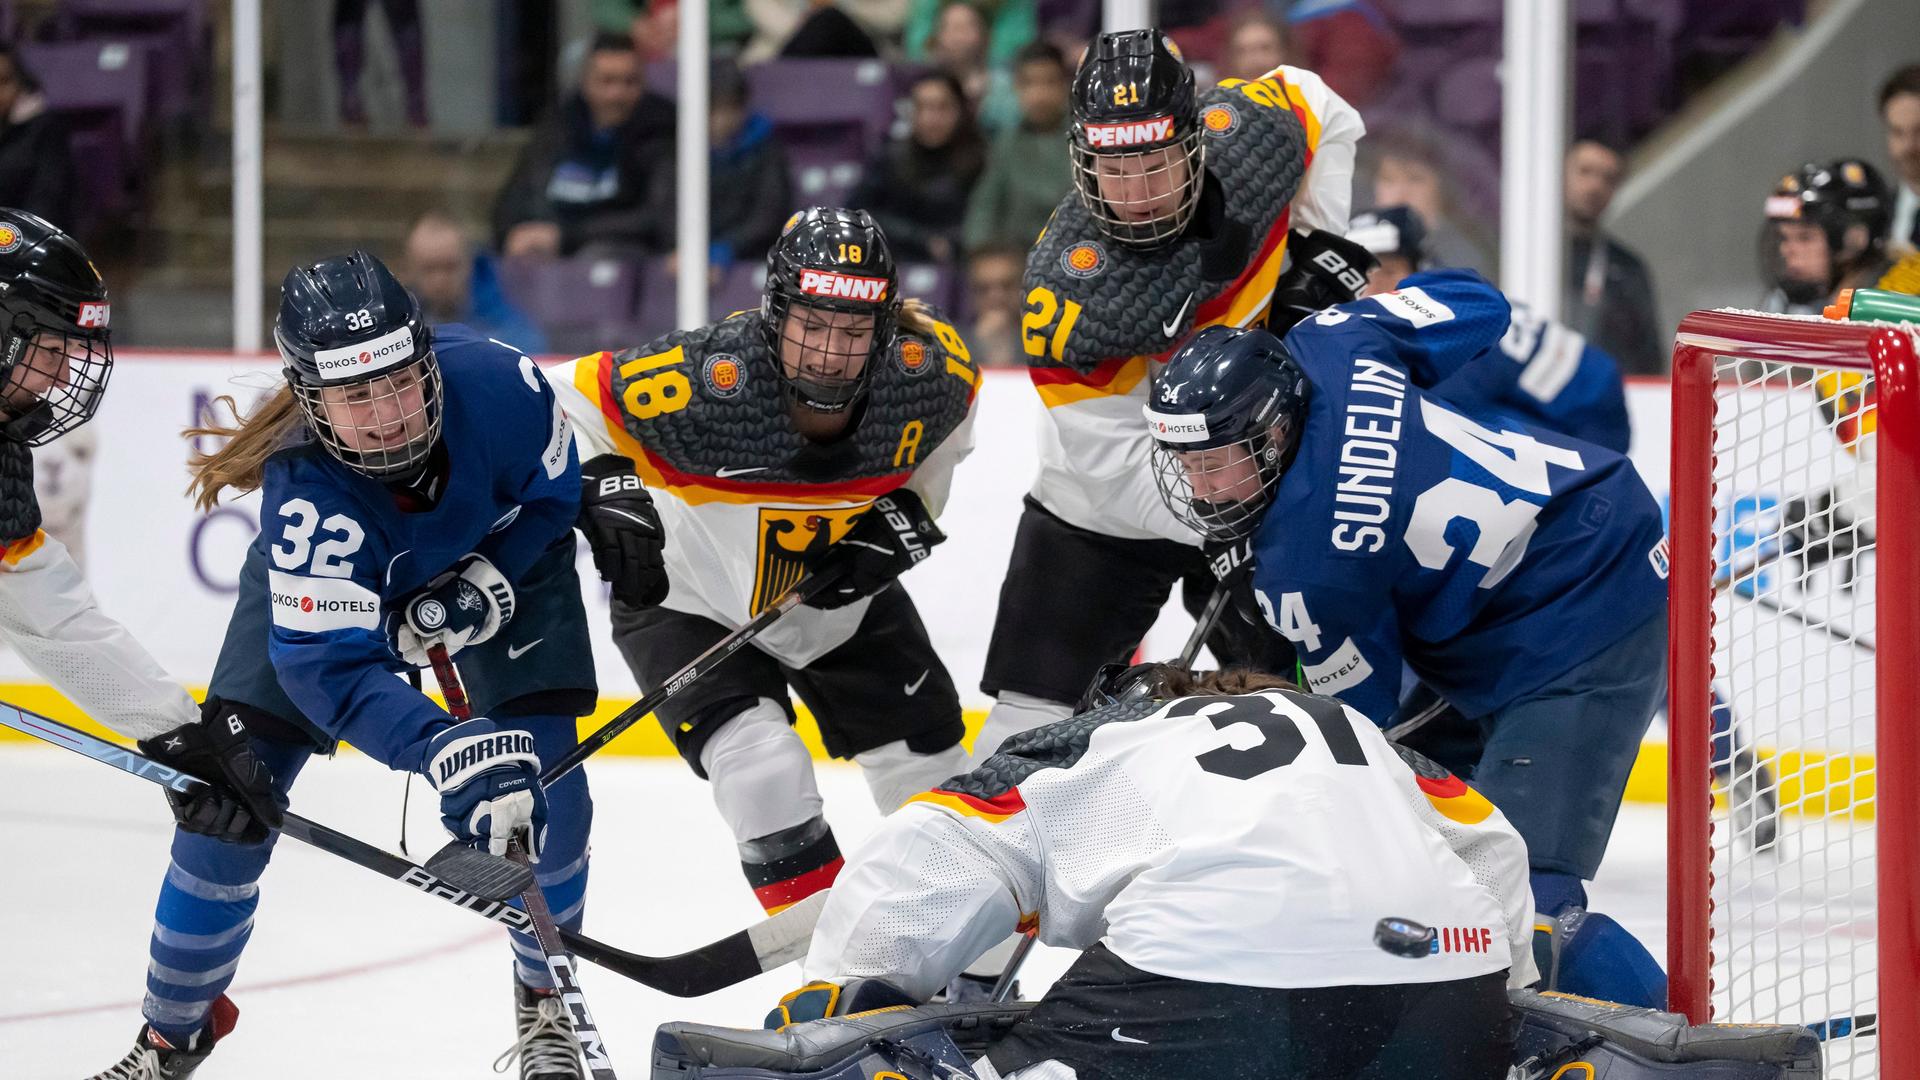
x=930, y=1042
x=1559, y=1034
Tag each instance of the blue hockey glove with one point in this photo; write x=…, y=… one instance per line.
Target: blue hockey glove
x=464, y=606
x=488, y=778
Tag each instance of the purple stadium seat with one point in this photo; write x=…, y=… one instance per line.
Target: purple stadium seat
x=174, y=35
x=1438, y=14
x=1468, y=96
x=93, y=84
x=937, y=285
x=580, y=302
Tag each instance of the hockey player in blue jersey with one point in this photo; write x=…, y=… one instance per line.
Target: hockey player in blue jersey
x=420, y=488
x=1541, y=372
x=1519, y=573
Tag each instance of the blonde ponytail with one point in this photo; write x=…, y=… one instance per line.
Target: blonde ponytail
x=250, y=441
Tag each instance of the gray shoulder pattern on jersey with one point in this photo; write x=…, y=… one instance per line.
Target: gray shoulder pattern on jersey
x=19, y=506
x=734, y=426
x=1058, y=745
x=1422, y=765
x=1129, y=298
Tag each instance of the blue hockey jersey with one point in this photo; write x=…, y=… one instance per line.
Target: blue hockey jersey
x=341, y=554
x=1486, y=554
x=1523, y=368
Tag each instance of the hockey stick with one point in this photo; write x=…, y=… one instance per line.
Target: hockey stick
x=805, y=589
x=465, y=878
x=559, y=964
x=760, y=948
x=1833, y=630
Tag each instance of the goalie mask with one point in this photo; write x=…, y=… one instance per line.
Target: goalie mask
x=1225, y=414
x=831, y=306
x=360, y=361
x=1824, y=222
x=55, y=352
x=1136, y=146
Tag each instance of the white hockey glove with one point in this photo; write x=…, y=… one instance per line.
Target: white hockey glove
x=464, y=606
x=488, y=778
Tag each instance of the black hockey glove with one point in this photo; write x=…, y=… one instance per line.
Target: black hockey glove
x=1323, y=269
x=239, y=803
x=894, y=533
x=623, y=529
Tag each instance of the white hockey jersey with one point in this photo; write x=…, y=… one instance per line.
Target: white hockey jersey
x=1253, y=840
x=49, y=616
x=747, y=503
x=1099, y=316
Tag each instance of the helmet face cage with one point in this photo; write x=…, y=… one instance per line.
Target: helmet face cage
x=385, y=426
x=54, y=376
x=1141, y=198
x=825, y=354
x=1238, y=477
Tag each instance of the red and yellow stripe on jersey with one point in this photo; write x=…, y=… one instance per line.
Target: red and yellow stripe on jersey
x=593, y=378
x=1245, y=299
x=1453, y=798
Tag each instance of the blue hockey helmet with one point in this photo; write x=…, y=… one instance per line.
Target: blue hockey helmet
x=1225, y=414
x=359, y=358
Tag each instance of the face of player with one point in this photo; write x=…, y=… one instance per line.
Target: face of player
x=1385, y=276
x=1902, y=117
x=42, y=367
x=1227, y=474
x=611, y=86
x=1803, y=252
x=1143, y=187
x=936, y=113
x=824, y=345
x=383, y=414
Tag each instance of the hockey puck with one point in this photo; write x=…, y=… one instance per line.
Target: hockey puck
x=1403, y=937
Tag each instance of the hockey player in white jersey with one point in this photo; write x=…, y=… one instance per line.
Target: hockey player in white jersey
x=56, y=353
x=1223, y=848
x=1194, y=206
x=815, y=435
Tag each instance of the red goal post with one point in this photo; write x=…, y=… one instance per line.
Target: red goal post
x=1723, y=362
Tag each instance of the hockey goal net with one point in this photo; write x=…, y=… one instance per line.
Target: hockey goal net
x=1793, y=839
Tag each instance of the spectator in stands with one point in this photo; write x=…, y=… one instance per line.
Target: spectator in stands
x=917, y=187
x=1408, y=173
x=994, y=300
x=960, y=45
x=818, y=28
x=457, y=284
x=598, y=174
x=36, y=167
x=748, y=165
x=1348, y=43
x=1256, y=44
x=1900, y=111
x=1609, y=294
x=1029, y=169
x=1009, y=24
x=350, y=53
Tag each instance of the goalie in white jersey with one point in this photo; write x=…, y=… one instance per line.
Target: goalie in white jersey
x=1223, y=849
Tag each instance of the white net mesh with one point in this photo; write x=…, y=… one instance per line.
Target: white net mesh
x=1793, y=918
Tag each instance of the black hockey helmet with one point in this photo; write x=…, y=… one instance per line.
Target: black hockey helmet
x=1392, y=230
x=1116, y=683
x=1852, y=205
x=359, y=358
x=828, y=264
x=55, y=352
x=1225, y=414
x=1136, y=146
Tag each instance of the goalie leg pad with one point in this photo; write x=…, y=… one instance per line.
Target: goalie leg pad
x=1559, y=1035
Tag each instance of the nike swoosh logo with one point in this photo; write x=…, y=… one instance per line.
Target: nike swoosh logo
x=724, y=473
x=514, y=652
x=1117, y=1037
x=914, y=686
x=1173, y=327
